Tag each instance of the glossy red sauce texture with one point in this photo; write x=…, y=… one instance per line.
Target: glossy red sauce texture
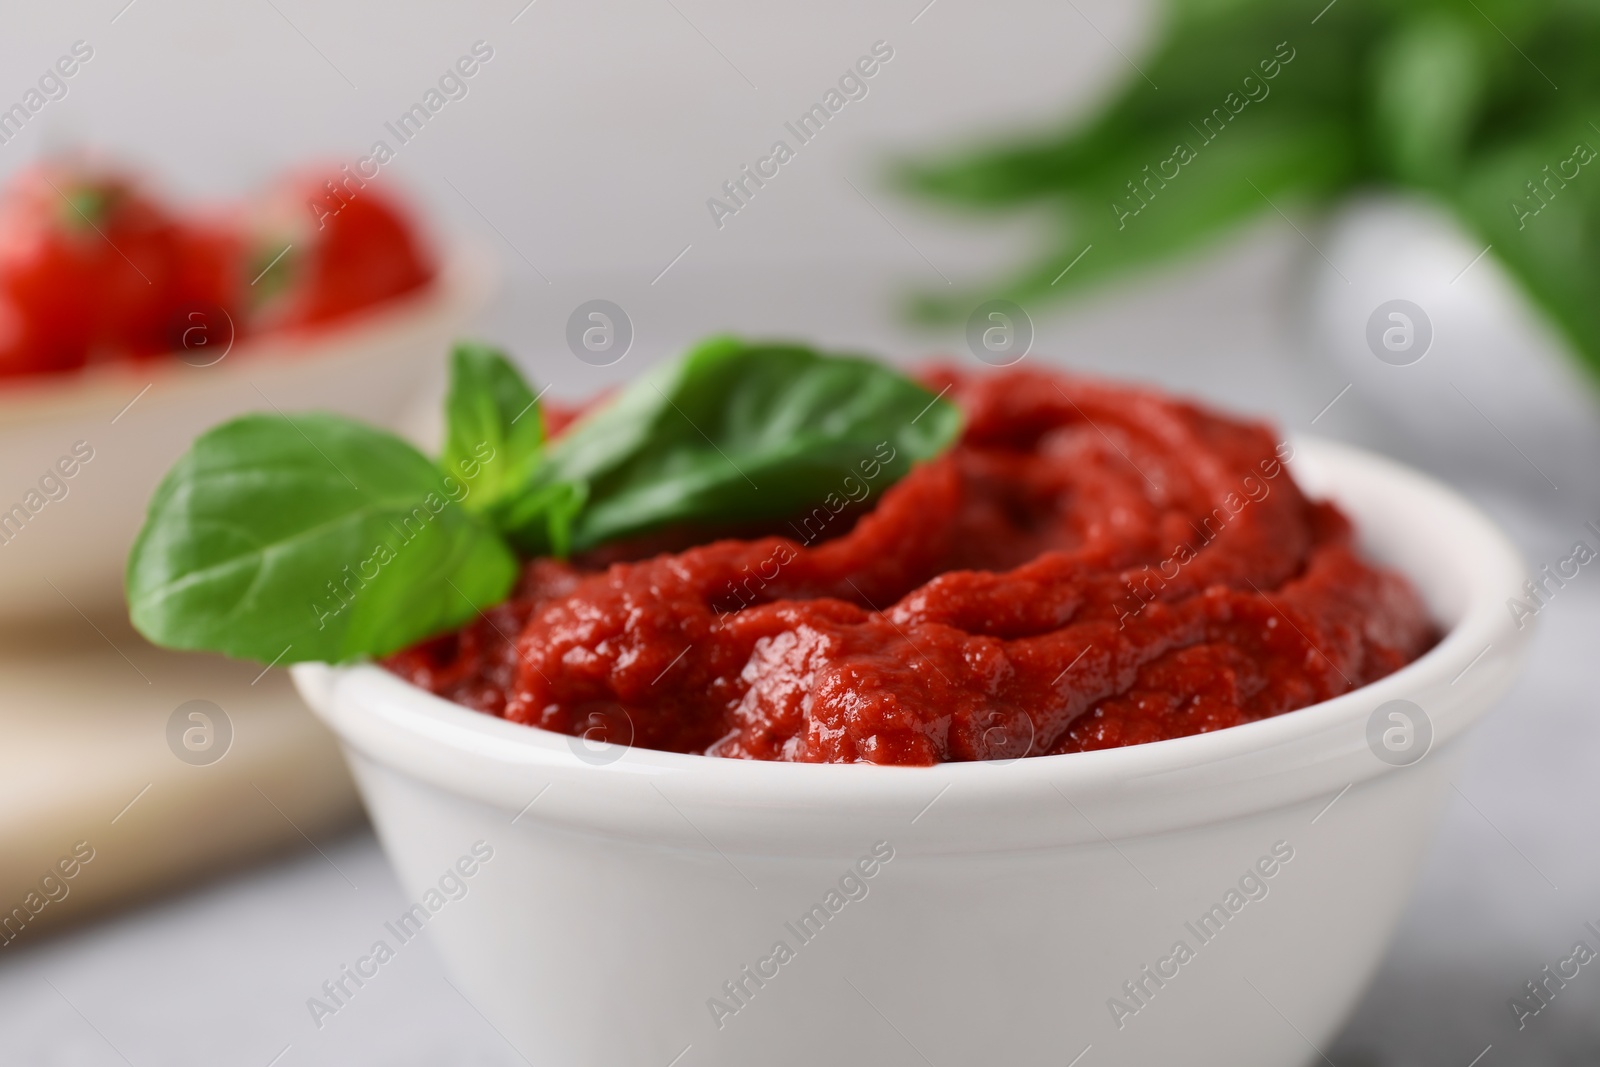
x=1093, y=565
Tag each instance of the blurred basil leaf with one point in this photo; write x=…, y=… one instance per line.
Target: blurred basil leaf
x=1428, y=81
x=1457, y=98
x=1537, y=200
x=1113, y=229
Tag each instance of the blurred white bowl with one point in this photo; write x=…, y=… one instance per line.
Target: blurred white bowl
x=607, y=896
x=136, y=419
x=1472, y=377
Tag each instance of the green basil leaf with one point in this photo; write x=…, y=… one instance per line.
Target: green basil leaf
x=311, y=537
x=1536, y=199
x=1447, y=97
x=1244, y=171
x=545, y=517
x=732, y=431
x=494, y=432
x=1429, y=78
x=1209, y=52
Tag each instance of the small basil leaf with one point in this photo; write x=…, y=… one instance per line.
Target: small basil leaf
x=308, y=538
x=734, y=431
x=494, y=431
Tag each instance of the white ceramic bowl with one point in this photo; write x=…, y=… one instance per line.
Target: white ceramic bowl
x=136, y=419
x=626, y=887
x=1482, y=361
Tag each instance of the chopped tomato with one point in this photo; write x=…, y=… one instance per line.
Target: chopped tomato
x=93, y=268
x=334, y=246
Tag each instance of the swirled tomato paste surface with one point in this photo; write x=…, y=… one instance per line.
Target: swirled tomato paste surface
x=1092, y=565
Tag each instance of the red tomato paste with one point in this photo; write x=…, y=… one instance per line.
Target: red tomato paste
x=1092, y=565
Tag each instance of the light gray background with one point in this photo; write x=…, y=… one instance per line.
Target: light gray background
x=582, y=159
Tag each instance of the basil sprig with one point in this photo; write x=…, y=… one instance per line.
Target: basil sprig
x=1491, y=108
x=314, y=537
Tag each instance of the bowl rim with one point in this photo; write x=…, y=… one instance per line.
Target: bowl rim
x=396, y=723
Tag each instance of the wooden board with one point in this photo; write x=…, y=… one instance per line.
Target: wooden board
x=85, y=758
